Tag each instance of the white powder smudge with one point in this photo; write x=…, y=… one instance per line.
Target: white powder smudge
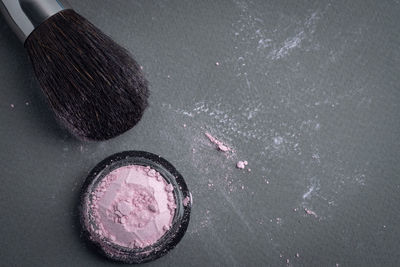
x=308, y=193
x=311, y=189
x=288, y=45
x=186, y=113
x=278, y=140
x=263, y=43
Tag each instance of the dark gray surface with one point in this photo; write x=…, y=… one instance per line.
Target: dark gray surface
x=306, y=91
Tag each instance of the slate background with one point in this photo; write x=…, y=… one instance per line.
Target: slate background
x=306, y=91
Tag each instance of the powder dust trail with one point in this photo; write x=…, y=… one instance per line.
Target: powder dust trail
x=241, y=216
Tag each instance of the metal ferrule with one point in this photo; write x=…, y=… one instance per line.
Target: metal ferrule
x=24, y=16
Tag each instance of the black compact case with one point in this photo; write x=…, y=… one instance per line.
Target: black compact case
x=180, y=221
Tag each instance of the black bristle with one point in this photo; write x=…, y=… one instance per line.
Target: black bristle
x=93, y=84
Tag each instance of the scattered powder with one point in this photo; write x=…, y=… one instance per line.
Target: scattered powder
x=241, y=164
x=220, y=145
x=12, y=106
x=297, y=255
x=133, y=206
x=217, y=63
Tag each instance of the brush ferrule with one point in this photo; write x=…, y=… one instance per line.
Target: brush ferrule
x=24, y=16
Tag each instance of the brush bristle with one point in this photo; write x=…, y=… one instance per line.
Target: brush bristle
x=94, y=85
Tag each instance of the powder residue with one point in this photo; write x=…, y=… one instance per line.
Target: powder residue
x=220, y=145
x=133, y=206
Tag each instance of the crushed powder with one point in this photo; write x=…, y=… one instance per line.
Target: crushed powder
x=133, y=206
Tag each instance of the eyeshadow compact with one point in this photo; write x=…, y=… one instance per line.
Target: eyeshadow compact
x=135, y=207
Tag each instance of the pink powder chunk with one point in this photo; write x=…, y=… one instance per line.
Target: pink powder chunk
x=241, y=164
x=310, y=212
x=220, y=145
x=131, y=208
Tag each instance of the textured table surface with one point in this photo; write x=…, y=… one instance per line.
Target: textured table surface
x=306, y=91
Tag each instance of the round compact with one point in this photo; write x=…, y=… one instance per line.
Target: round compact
x=135, y=207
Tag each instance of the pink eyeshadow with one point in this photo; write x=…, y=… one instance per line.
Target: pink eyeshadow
x=133, y=206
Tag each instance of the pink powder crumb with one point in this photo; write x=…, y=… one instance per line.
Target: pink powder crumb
x=241, y=164
x=220, y=145
x=310, y=212
x=12, y=106
x=186, y=201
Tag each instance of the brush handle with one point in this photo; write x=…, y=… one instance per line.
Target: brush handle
x=24, y=16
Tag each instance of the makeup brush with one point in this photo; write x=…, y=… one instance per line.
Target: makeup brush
x=95, y=87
